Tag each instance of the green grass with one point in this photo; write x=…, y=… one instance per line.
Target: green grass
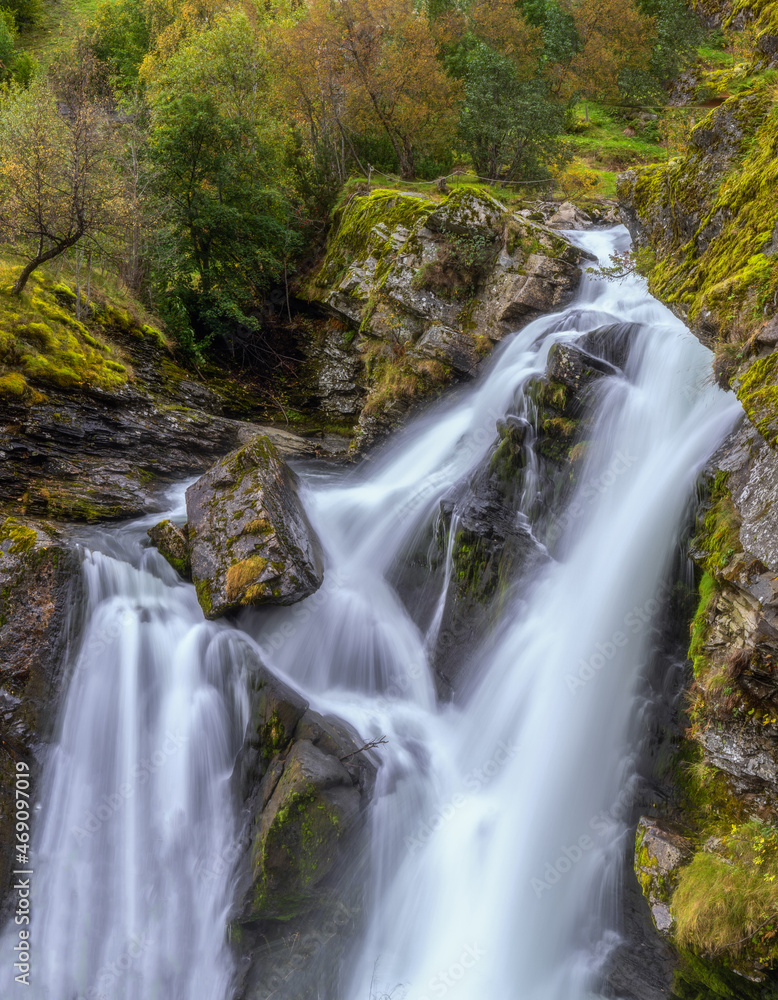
x=59, y=24
x=726, y=902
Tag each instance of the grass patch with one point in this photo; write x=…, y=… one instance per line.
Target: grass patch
x=726, y=903
x=57, y=27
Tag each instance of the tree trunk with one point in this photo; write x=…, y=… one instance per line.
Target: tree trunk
x=407, y=163
x=41, y=258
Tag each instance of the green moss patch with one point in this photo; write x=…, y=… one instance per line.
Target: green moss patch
x=713, y=230
x=758, y=392
x=726, y=903
x=42, y=342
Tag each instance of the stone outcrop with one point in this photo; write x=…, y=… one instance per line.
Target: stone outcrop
x=704, y=220
x=703, y=224
x=479, y=539
x=97, y=418
x=250, y=541
x=423, y=290
x=304, y=785
x=39, y=613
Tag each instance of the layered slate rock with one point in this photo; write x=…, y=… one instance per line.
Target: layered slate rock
x=251, y=542
x=39, y=602
x=425, y=290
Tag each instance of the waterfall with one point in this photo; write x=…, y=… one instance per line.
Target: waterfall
x=134, y=825
x=497, y=828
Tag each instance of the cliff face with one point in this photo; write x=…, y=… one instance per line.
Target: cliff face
x=706, y=224
x=421, y=291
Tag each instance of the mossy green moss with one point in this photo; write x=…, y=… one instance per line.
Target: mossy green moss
x=398, y=375
x=712, y=231
x=44, y=343
x=707, y=979
x=374, y=225
x=708, y=591
x=22, y=538
x=203, y=591
x=273, y=736
x=718, y=538
x=300, y=843
x=758, y=392
x=13, y=386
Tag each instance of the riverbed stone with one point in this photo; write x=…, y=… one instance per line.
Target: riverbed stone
x=251, y=541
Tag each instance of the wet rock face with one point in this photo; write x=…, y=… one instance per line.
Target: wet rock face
x=296, y=844
x=426, y=289
x=39, y=601
x=573, y=367
x=250, y=539
x=90, y=458
x=303, y=786
x=660, y=853
x=173, y=544
x=740, y=635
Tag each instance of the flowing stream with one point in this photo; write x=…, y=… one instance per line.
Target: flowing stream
x=497, y=832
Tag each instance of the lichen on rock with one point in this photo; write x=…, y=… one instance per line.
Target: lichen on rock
x=250, y=539
x=428, y=288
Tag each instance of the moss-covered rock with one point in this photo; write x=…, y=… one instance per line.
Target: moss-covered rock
x=173, y=543
x=660, y=854
x=710, y=216
x=250, y=539
x=427, y=288
x=296, y=845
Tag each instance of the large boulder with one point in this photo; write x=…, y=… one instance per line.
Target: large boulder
x=296, y=843
x=251, y=542
x=425, y=290
x=303, y=784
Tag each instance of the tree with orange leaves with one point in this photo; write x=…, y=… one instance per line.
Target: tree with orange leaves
x=357, y=65
x=612, y=36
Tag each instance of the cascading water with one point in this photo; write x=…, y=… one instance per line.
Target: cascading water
x=496, y=832
x=130, y=886
x=495, y=835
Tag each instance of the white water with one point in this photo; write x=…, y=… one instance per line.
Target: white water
x=130, y=881
x=475, y=894
x=483, y=885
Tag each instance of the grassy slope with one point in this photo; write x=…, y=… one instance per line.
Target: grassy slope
x=58, y=26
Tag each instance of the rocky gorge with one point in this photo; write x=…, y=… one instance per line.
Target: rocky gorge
x=417, y=294
x=704, y=224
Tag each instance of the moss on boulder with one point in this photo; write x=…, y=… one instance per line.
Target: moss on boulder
x=296, y=845
x=250, y=539
x=428, y=288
